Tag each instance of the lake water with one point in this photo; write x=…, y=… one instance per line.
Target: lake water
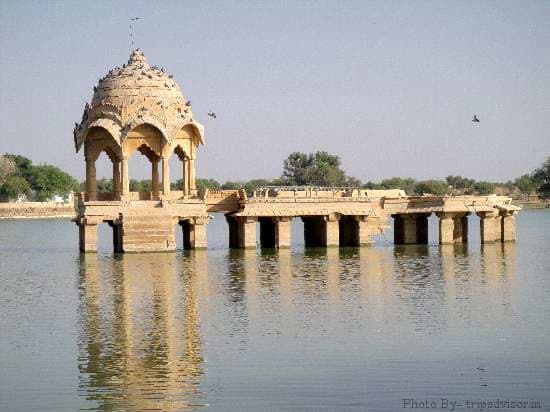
x=348, y=329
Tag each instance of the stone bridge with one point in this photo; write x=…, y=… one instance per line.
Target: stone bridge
x=331, y=217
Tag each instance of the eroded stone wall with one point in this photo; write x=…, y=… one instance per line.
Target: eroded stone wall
x=36, y=210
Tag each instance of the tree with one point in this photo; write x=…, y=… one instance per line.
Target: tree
x=13, y=187
x=460, y=183
x=207, y=184
x=484, y=188
x=22, y=164
x=542, y=178
x=407, y=184
x=47, y=181
x=313, y=169
x=231, y=185
x=7, y=168
x=104, y=185
x=526, y=185
x=434, y=187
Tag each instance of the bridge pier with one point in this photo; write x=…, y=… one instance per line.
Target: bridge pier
x=488, y=226
x=508, y=226
x=460, y=228
x=332, y=230
x=117, y=235
x=194, y=232
x=321, y=231
x=87, y=234
x=242, y=231
x=283, y=232
x=446, y=227
x=410, y=228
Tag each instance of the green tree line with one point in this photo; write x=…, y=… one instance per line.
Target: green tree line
x=19, y=176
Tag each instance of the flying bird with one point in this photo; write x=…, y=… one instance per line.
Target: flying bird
x=475, y=119
x=134, y=18
x=212, y=114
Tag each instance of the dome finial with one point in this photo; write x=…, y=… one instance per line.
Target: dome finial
x=137, y=56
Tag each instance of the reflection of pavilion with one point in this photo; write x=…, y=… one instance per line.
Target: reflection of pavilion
x=139, y=345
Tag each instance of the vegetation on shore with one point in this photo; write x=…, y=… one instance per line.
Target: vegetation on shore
x=19, y=176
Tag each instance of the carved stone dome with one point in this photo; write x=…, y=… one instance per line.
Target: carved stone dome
x=138, y=84
x=134, y=94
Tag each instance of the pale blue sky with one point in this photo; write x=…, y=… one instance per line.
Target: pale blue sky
x=391, y=87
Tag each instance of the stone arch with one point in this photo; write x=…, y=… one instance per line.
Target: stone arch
x=145, y=119
x=144, y=134
x=109, y=125
x=99, y=139
x=195, y=131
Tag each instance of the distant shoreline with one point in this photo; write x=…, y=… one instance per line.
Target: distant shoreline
x=37, y=210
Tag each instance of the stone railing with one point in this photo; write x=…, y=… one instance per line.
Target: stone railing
x=324, y=192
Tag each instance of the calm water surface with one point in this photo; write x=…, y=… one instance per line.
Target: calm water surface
x=349, y=329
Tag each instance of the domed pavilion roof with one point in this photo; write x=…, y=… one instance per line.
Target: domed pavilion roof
x=134, y=94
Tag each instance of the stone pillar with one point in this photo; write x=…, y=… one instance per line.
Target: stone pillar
x=166, y=176
x=508, y=228
x=332, y=230
x=487, y=226
x=192, y=184
x=125, y=178
x=116, y=179
x=368, y=226
x=117, y=236
x=198, y=236
x=247, y=232
x=422, y=229
x=460, y=228
x=155, y=178
x=87, y=231
x=91, y=184
x=409, y=229
x=233, y=232
x=283, y=232
x=446, y=228
x=185, y=178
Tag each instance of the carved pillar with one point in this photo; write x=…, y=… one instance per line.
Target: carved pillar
x=283, y=232
x=332, y=230
x=446, y=228
x=87, y=231
x=185, y=181
x=166, y=176
x=198, y=237
x=155, y=178
x=91, y=184
x=247, y=232
x=125, y=178
x=368, y=226
x=460, y=228
x=487, y=226
x=192, y=184
x=116, y=179
x=508, y=229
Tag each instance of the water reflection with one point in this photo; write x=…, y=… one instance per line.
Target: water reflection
x=140, y=346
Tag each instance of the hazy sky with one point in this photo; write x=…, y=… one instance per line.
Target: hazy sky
x=391, y=87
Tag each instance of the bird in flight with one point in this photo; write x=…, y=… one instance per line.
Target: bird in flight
x=134, y=18
x=475, y=119
x=212, y=114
